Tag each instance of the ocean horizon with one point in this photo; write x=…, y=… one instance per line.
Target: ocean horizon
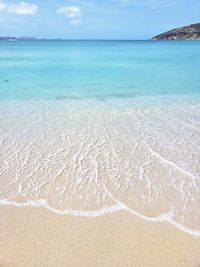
x=99, y=133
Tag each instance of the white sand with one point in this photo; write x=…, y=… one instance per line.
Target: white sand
x=136, y=161
x=36, y=237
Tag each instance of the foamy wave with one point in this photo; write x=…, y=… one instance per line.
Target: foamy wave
x=92, y=159
x=43, y=203
x=165, y=217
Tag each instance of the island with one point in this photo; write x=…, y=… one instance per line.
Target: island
x=191, y=32
x=12, y=38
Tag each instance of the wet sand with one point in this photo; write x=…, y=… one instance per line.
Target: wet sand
x=90, y=183
x=37, y=237
x=90, y=158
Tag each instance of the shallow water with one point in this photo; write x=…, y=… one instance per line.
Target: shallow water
x=94, y=152
x=89, y=69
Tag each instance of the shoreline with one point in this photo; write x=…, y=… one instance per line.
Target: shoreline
x=99, y=154
x=120, y=239
x=129, y=157
x=105, y=211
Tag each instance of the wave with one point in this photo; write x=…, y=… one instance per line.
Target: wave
x=96, y=158
x=165, y=217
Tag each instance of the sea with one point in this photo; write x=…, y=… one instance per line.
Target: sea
x=89, y=128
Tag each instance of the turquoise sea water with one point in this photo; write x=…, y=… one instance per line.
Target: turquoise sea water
x=90, y=69
x=138, y=150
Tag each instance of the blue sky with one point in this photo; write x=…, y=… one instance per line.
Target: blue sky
x=95, y=19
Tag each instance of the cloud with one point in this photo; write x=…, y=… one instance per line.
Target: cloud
x=2, y=6
x=75, y=22
x=72, y=13
x=21, y=8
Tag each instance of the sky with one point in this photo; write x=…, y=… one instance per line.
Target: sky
x=95, y=19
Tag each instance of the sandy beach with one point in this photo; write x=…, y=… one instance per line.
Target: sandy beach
x=37, y=237
x=99, y=134
x=106, y=186
x=123, y=191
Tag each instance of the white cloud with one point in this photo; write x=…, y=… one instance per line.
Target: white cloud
x=75, y=22
x=21, y=8
x=2, y=6
x=72, y=13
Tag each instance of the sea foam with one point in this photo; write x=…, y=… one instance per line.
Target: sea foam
x=92, y=158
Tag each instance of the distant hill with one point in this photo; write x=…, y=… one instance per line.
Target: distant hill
x=12, y=38
x=191, y=32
